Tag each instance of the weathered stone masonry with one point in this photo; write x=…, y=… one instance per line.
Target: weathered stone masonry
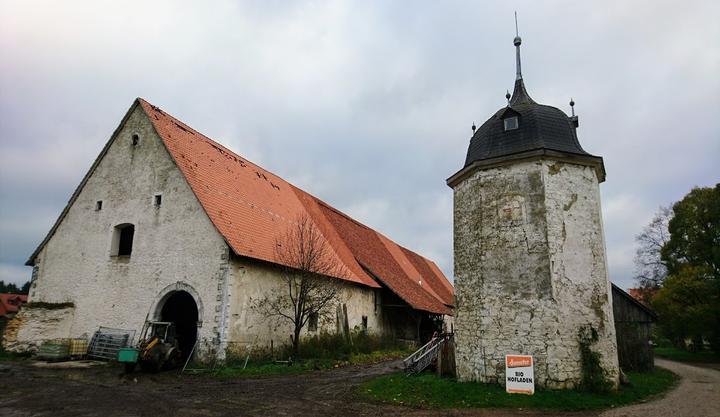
x=530, y=270
x=530, y=267
x=174, y=243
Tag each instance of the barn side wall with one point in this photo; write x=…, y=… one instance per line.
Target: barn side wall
x=251, y=332
x=173, y=243
x=634, y=332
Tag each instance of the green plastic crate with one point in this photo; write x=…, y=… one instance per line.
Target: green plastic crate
x=128, y=355
x=54, y=351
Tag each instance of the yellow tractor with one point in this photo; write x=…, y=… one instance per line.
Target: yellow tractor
x=157, y=348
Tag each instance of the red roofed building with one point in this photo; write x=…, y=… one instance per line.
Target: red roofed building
x=171, y=225
x=643, y=295
x=10, y=304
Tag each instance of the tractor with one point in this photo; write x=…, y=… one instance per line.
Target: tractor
x=157, y=348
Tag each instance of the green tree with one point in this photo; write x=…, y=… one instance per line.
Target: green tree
x=688, y=304
x=11, y=288
x=695, y=233
x=309, y=291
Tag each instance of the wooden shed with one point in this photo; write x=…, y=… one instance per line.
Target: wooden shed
x=633, y=325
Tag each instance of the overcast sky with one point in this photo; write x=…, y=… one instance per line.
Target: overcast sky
x=367, y=105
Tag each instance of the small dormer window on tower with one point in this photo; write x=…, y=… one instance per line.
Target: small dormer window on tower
x=511, y=123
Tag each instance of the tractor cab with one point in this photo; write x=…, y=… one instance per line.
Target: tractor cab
x=157, y=348
x=163, y=330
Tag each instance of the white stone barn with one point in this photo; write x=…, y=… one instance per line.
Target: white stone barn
x=170, y=225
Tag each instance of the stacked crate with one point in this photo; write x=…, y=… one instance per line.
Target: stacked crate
x=54, y=350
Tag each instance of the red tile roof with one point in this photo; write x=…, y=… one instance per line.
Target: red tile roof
x=643, y=295
x=251, y=207
x=10, y=303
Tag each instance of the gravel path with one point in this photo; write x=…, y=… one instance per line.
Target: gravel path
x=698, y=395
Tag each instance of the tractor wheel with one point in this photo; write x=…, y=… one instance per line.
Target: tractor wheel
x=172, y=359
x=130, y=367
x=153, y=360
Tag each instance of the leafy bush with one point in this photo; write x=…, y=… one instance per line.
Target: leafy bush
x=335, y=346
x=594, y=378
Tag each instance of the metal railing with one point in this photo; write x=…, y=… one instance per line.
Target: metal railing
x=106, y=342
x=425, y=356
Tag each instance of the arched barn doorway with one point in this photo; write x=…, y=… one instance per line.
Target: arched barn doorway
x=181, y=309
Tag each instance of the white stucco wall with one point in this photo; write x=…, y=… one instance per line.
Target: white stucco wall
x=173, y=243
x=253, y=280
x=530, y=271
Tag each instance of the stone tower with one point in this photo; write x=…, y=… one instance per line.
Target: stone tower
x=530, y=266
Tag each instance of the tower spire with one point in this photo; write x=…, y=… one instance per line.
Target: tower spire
x=517, y=41
x=519, y=94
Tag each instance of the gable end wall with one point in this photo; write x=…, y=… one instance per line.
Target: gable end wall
x=173, y=243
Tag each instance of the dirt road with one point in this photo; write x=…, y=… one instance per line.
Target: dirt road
x=698, y=395
x=30, y=391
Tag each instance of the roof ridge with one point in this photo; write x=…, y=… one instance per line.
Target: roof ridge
x=213, y=143
x=400, y=253
x=320, y=201
x=220, y=188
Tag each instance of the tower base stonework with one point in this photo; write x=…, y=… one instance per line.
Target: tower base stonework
x=531, y=272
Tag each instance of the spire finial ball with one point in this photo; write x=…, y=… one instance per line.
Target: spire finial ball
x=517, y=41
x=572, y=102
x=507, y=94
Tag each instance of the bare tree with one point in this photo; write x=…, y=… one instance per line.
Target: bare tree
x=650, y=270
x=308, y=271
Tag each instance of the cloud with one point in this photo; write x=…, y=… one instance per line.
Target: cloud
x=14, y=273
x=365, y=105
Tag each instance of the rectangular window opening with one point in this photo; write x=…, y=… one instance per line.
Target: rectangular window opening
x=98, y=205
x=158, y=200
x=313, y=322
x=511, y=123
x=123, y=240
x=364, y=324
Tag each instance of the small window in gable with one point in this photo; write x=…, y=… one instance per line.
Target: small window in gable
x=157, y=200
x=511, y=123
x=122, y=242
x=313, y=322
x=98, y=205
x=135, y=140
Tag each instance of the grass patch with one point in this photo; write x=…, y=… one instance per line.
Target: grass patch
x=6, y=356
x=680, y=355
x=318, y=352
x=336, y=347
x=234, y=368
x=429, y=391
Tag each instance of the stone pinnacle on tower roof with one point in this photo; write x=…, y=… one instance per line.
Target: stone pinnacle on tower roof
x=523, y=129
x=517, y=42
x=519, y=94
